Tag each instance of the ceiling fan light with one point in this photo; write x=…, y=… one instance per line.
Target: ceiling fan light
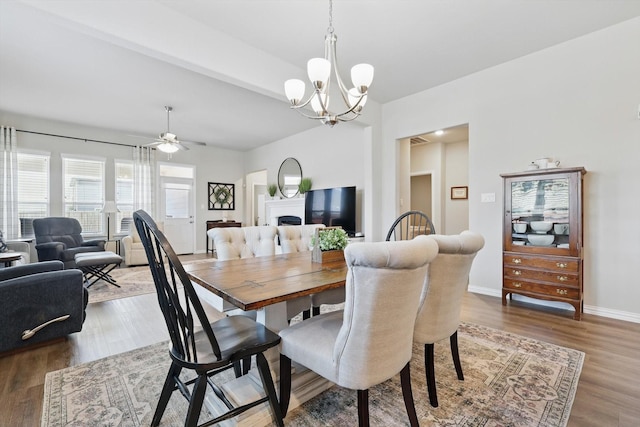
x=294, y=90
x=167, y=147
x=318, y=70
x=362, y=76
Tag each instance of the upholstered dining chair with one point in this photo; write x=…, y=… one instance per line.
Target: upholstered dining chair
x=370, y=340
x=235, y=243
x=205, y=351
x=243, y=242
x=441, y=299
x=294, y=239
x=60, y=238
x=409, y=225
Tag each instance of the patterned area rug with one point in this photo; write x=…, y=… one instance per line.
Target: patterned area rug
x=132, y=280
x=509, y=380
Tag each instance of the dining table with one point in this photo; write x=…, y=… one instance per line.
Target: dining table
x=261, y=286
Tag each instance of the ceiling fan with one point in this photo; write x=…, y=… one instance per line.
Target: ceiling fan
x=168, y=142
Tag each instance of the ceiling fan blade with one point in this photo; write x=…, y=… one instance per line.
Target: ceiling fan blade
x=198, y=143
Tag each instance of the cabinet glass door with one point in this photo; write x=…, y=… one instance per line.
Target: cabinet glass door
x=540, y=212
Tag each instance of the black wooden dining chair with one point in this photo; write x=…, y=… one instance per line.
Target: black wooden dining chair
x=409, y=225
x=207, y=350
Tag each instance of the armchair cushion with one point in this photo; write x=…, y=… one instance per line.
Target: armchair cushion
x=60, y=238
x=33, y=294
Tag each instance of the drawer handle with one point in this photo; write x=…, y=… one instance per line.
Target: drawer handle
x=561, y=291
x=561, y=264
x=517, y=261
x=517, y=272
x=517, y=285
x=562, y=278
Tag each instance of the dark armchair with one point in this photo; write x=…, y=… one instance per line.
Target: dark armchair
x=60, y=238
x=40, y=302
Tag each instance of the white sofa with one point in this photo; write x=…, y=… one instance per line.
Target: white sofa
x=132, y=249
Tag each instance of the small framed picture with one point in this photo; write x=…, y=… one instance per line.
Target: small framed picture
x=459, y=193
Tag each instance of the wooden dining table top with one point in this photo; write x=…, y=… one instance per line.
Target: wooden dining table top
x=253, y=283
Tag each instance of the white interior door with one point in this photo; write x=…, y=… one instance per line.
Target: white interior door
x=178, y=213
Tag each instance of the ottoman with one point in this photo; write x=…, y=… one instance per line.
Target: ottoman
x=97, y=265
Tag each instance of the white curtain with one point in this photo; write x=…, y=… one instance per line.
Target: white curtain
x=143, y=179
x=9, y=221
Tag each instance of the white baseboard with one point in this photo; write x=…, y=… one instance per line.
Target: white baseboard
x=589, y=309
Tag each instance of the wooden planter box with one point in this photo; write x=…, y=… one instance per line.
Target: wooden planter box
x=327, y=256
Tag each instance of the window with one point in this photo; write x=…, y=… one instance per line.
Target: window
x=124, y=196
x=33, y=190
x=84, y=192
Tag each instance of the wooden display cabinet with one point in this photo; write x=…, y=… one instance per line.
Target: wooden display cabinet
x=542, y=235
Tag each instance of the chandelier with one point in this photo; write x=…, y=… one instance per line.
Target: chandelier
x=319, y=72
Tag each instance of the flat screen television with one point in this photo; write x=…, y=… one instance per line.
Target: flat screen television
x=332, y=207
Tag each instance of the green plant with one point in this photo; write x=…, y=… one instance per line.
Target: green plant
x=305, y=185
x=271, y=189
x=332, y=239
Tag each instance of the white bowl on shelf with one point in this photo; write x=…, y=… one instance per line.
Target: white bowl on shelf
x=540, y=239
x=541, y=226
x=520, y=227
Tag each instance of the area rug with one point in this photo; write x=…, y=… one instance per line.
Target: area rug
x=510, y=380
x=132, y=280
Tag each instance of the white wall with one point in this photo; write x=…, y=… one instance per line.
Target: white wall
x=456, y=171
x=576, y=102
x=212, y=164
x=331, y=157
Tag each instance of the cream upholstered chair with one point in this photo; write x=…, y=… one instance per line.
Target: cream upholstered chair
x=21, y=248
x=235, y=243
x=296, y=238
x=243, y=242
x=370, y=340
x=132, y=247
x=293, y=239
x=441, y=299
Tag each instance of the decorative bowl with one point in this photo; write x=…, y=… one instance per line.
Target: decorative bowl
x=541, y=226
x=520, y=227
x=540, y=239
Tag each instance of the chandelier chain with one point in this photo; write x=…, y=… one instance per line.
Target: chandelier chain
x=330, y=27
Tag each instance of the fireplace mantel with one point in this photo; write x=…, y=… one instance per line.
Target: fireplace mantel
x=274, y=209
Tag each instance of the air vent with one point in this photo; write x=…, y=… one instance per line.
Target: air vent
x=417, y=140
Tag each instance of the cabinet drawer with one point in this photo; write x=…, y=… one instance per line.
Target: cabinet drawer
x=540, y=288
x=563, y=278
x=571, y=265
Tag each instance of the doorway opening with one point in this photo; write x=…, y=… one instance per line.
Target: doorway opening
x=432, y=163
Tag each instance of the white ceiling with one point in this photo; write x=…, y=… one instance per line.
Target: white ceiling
x=221, y=63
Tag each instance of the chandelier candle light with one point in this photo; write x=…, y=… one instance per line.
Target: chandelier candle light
x=319, y=72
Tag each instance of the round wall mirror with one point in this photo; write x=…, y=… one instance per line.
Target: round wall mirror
x=289, y=177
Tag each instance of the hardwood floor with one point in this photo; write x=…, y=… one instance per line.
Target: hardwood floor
x=608, y=393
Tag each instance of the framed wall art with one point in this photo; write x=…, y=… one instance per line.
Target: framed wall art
x=459, y=193
x=221, y=196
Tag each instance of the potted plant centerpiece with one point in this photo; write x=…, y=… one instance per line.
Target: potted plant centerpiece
x=329, y=244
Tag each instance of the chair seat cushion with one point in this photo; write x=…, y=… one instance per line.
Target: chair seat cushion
x=238, y=337
x=312, y=341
